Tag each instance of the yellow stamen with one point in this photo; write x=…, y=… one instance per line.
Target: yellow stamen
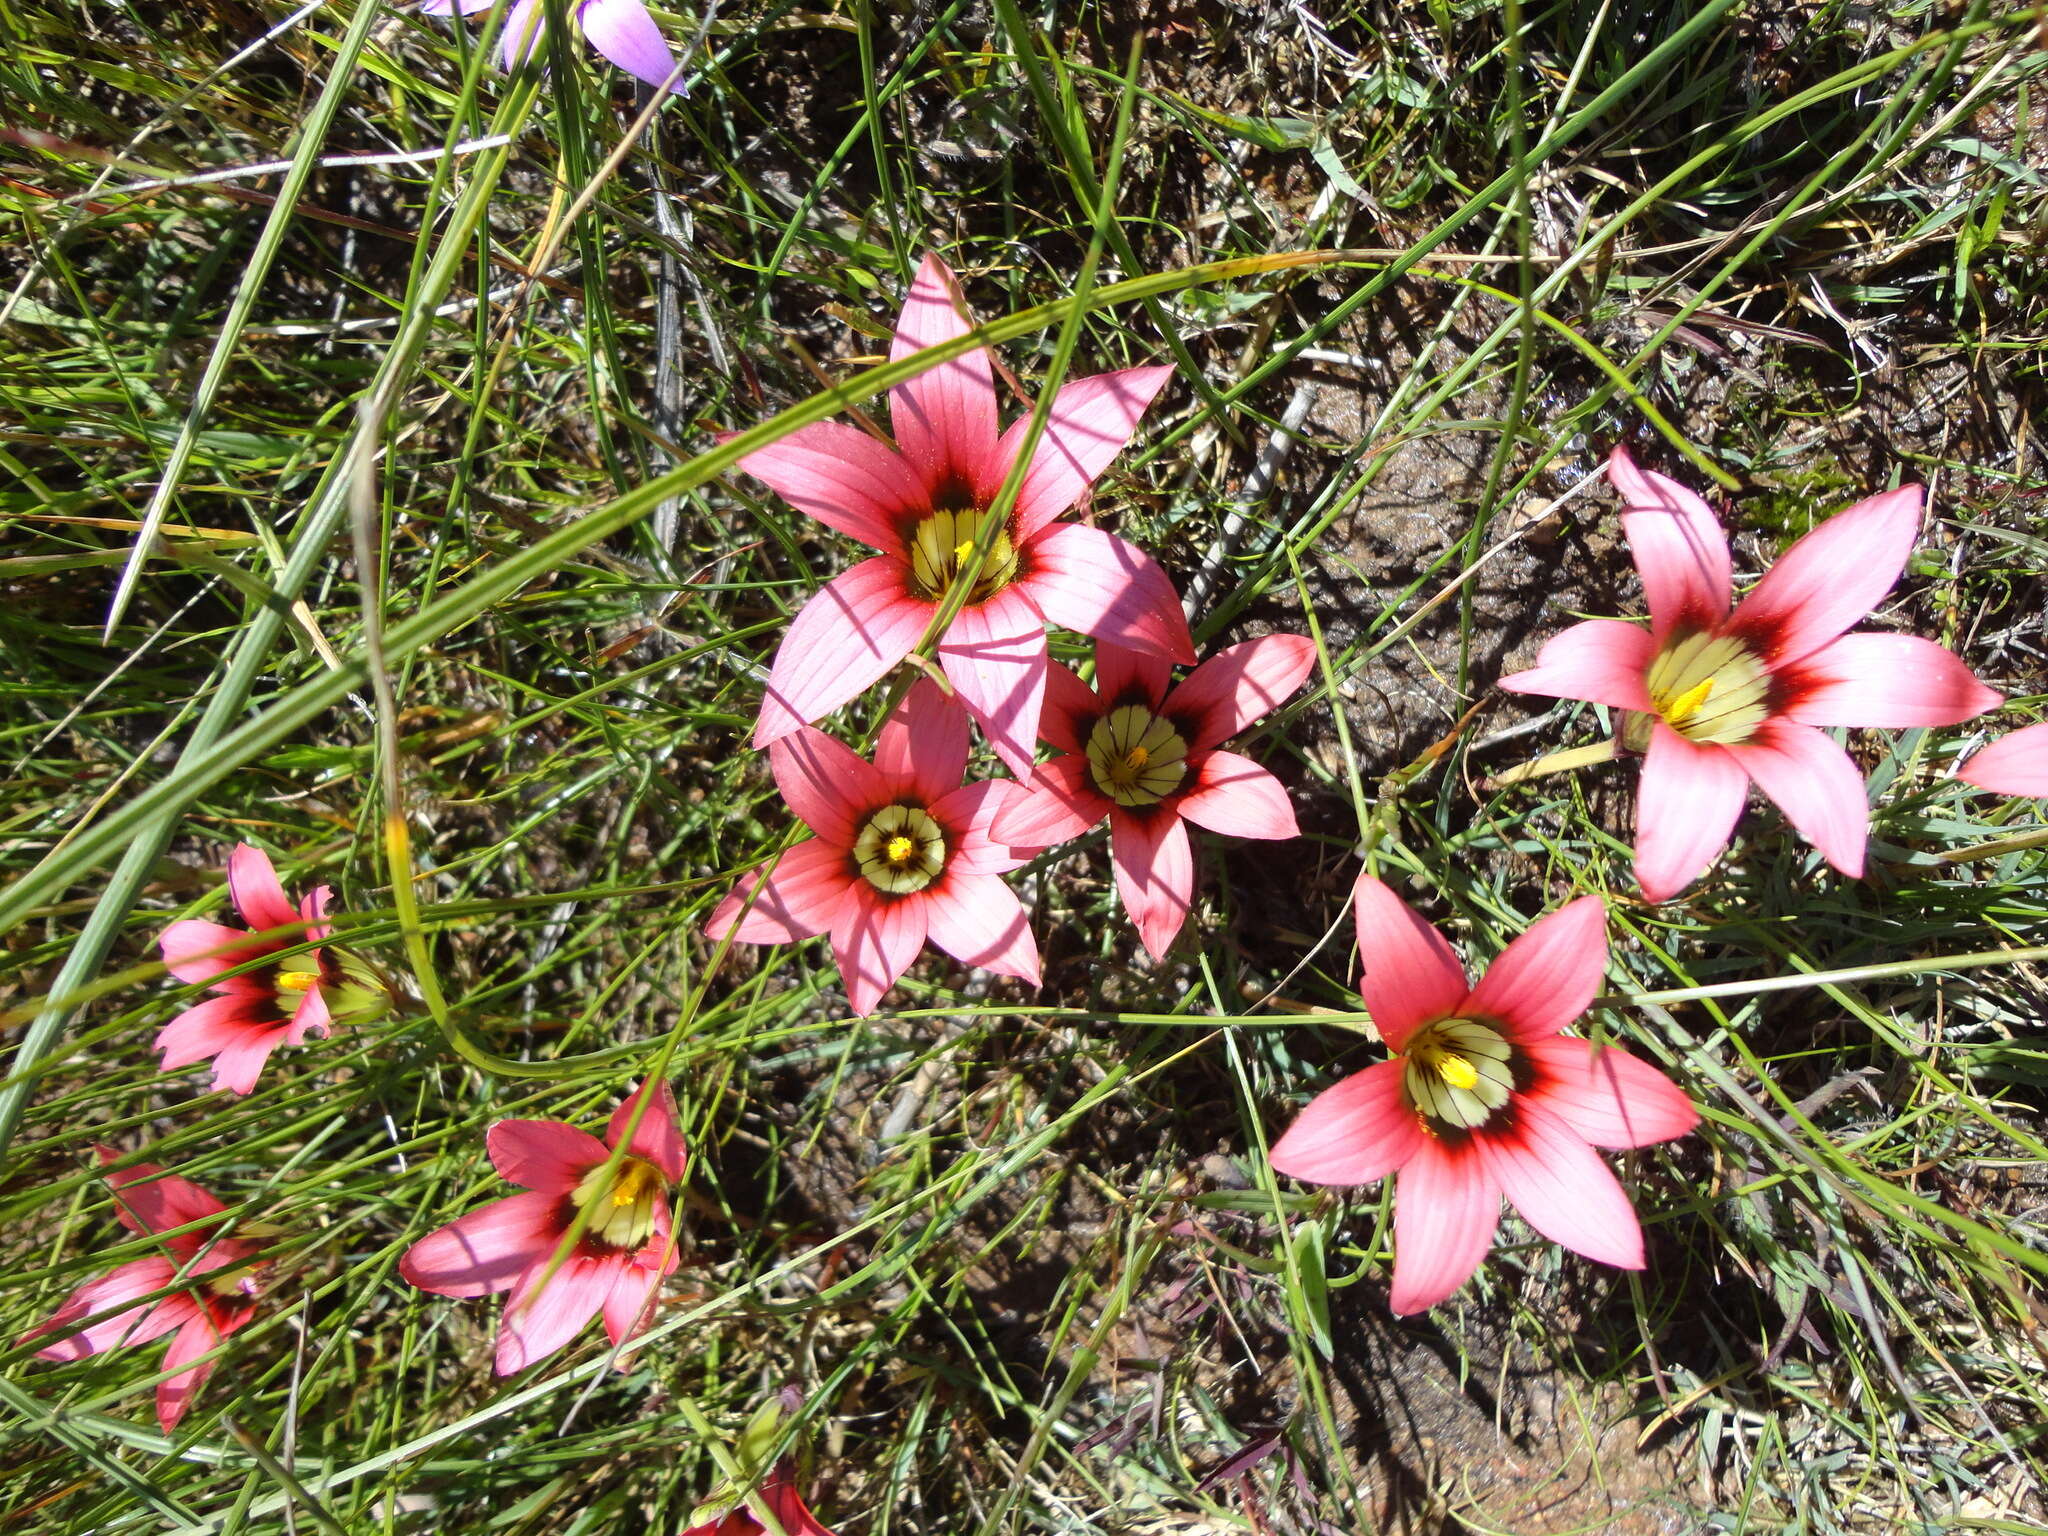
x=1136, y=758
x=1456, y=1071
x=1688, y=703
x=297, y=981
x=962, y=550
x=899, y=850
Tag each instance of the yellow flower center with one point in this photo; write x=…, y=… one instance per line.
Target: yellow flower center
x=1710, y=688
x=940, y=546
x=901, y=849
x=1135, y=757
x=297, y=981
x=1458, y=1073
x=621, y=1204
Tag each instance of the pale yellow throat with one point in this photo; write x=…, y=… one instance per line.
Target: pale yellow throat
x=621, y=1204
x=900, y=849
x=1135, y=757
x=940, y=546
x=1709, y=688
x=1457, y=1074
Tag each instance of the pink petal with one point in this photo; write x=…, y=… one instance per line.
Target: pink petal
x=1562, y=1188
x=1240, y=684
x=923, y=743
x=1090, y=422
x=979, y=921
x=802, y=898
x=624, y=33
x=830, y=789
x=1831, y=578
x=1060, y=804
x=1816, y=785
x=1886, y=681
x=1549, y=974
x=1070, y=710
x=196, y=951
x=313, y=913
x=788, y=1505
x=2017, y=764
x=1605, y=1095
x=1685, y=810
x=1125, y=676
x=994, y=656
x=238, y=1064
x=311, y=1017
x=525, y=21
x=1235, y=796
x=658, y=1138
x=1446, y=1209
x=146, y=1199
x=214, y=1025
x=874, y=942
x=1084, y=579
x=543, y=1154
x=1155, y=874
x=545, y=1311
x=969, y=815
x=1360, y=1130
x=1411, y=977
x=945, y=418
x=113, y=1303
x=252, y=882
x=630, y=1303
x=845, y=479
x=487, y=1250
x=174, y=1395
x=854, y=628
x=1601, y=660
x=1680, y=552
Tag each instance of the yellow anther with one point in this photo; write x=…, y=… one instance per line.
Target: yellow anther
x=1688, y=703
x=1136, y=758
x=899, y=850
x=297, y=981
x=1456, y=1070
x=962, y=550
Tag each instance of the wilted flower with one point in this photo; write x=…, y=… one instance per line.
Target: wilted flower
x=211, y=1279
x=903, y=853
x=1485, y=1097
x=1735, y=697
x=617, y=1261
x=921, y=504
x=1148, y=756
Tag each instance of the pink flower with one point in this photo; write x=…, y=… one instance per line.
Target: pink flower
x=1147, y=756
x=921, y=504
x=903, y=853
x=621, y=30
x=1731, y=698
x=260, y=1009
x=216, y=1277
x=2016, y=764
x=1485, y=1097
x=618, y=1261
x=778, y=1490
